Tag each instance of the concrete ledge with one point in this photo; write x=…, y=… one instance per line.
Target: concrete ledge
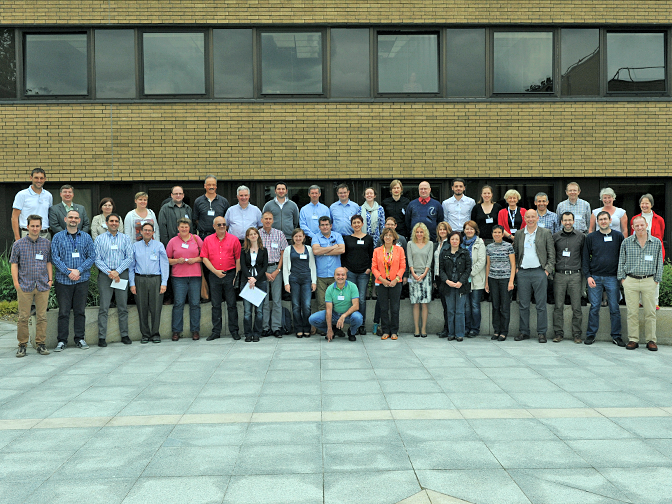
x=434, y=324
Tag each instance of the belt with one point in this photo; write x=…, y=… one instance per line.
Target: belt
x=145, y=276
x=636, y=277
x=273, y=264
x=569, y=272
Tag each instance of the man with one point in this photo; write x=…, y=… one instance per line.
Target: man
x=395, y=206
x=579, y=208
x=114, y=257
x=342, y=210
x=327, y=246
x=600, y=267
x=73, y=254
x=221, y=255
x=457, y=208
x=640, y=270
x=309, y=216
x=32, y=275
x=342, y=305
x=170, y=213
x=424, y=209
x=285, y=212
x=148, y=277
x=241, y=217
x=547, y=219
x=32, y=201
x=57, y=212
x=275, y=244
x=535, y=261
x=568, y=255
x=208, y=206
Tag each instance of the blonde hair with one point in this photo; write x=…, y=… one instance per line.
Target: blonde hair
x=512, y=192
x=442, y=225
x=420, y=225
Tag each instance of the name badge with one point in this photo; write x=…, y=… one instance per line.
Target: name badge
x=578, y=217
x=566, y=253
x=39, y=257
x=608, y=238
x=541, y=224
x=341, y=298
x=274, y=245
x=513, y=231
x=75, y=254
x=648, y=258
x=114, y=247
x=360, y=242
x=315, y=217
x=186, y=216
x=211, y=213
x=488, y=220
x=403, y=211
x=303, y=256
x=154, y=257
x=528, y=244
x=185, y=245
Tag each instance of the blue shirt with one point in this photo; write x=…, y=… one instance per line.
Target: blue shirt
x=309, y=218
x=239, y=220
x=70, y=251
x=550, y=221
x=341, y=214
x=326, y=265
x=149, y=259
x=113, y=252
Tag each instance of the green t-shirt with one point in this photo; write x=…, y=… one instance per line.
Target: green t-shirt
x=341, y=299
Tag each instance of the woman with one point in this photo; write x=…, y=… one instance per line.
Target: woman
x=300, y=278
x=500, y=270
x=655, y=225
x=388, y=266
x=619, y=218
x=420, y=254
x=253, y=264
x=373, y=214
x=135, y=219
x=485, y=214
x=184, y=255
x=474, y=244
x=357, y=259
x=454, y=268
x=443, y=229
x=512, y=217
x=98, y=225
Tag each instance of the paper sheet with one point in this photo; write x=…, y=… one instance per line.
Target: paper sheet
x=121, y=284
x=255, y=296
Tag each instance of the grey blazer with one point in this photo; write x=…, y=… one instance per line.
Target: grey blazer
x=544, y=245
x=57, y=218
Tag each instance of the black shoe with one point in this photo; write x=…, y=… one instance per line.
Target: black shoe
x=618, y=341
x=102, y=342
x=541, y=337
x=416, y=335
x=277, y=334
x=450, y=338
x=352, y=337
x=248, y=338
x=235, y=336
x=589, y=340
x=144, y=340
x=156, y=339
x=126, y=340
x=521, y=337
x=339, y=332
x=423, y=335
x=255, y=339
x=443, y=334
x=212, y=337
x=266, y=333
x=362, y=330
x=471, y=334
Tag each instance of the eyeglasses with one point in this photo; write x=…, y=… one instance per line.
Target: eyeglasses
x=220, y=225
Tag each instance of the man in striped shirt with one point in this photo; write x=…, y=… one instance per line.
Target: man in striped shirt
x=275, y=243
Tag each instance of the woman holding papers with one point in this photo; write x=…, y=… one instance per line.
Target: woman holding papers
x=300, y=278
x=253, y=263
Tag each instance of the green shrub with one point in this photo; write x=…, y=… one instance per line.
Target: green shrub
x=7, y=290
x=8, y=308
x=666, y=285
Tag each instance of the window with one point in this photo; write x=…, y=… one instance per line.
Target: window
x=408, y=63
x=580, y=59
x=635, y=62
x=56, y=64
x=7, y=64
x=174, y=63
x=350, y=74
x=291, y=63
x=465, y=62
x=523, y=62
x=232, y=55
x=115, y=63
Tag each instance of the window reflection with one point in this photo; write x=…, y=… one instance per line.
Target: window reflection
x=635, y=62
x=350, y=63
x=7, y=64
x=465, y=62
x=291, y=63
x=115, y=63
x=523, y=62
x=56, y=64
x=408, y=63
x=580, y=59
x=232, y=54
x=174, y=63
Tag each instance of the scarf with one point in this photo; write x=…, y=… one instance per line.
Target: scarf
x=469, y=244
x=372, y=210
x=387, y=261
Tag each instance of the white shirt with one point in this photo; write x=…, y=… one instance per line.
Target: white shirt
x=530, y=257
x=457, y=212
x=32, y=203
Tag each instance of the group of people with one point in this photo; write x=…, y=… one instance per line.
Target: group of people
x=459, y=247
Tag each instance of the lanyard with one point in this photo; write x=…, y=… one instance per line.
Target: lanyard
x=512, y=217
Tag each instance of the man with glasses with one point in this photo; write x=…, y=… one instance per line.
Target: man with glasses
x=425, y=209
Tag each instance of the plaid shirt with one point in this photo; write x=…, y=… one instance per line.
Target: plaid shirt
x=550, y=221
x=581, y=211
x=63, y=246
x=33, y=272
x=638, y=261
x=276, y=237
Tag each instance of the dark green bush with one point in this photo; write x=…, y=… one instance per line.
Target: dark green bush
x=666, y=286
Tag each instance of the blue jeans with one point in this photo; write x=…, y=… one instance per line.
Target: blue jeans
x=473, y=311
x=319, y=320
x=248, y=328
x=456, y=305
x=361, y=280
x=300, y=289
x=610, y=285
x=183, y=286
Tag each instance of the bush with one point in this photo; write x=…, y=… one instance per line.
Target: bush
x=8, y=308
x=666, y=285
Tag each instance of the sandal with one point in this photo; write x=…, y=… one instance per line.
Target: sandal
x=299, y=335
x=385, y=336
x=495, y=336
x=502, y=337
x=394, y=336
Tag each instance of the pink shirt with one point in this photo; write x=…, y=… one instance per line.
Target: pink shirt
x=175, y=250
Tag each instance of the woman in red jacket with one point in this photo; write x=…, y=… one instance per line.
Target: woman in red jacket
x=388, y=267
x=512, y=217
x=655, y=225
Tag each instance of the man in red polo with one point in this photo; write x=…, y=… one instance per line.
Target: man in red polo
x=221, y=255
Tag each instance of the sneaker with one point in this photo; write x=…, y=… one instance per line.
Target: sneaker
x=60, y=347
x=379, y=332
x=618, y=341
x=590, y=340
x=42, y=350
x=144, y=340
x=375, y=329
x=361, y=331
x=81, y=344
x=156, y=339
x=657, y=307
x=558, y=339
x=21, y=352
x=352, y=337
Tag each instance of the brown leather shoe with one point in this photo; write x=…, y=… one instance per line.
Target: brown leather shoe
x=195, y=336
x=651, y=345
x=176, y=336
x=631, y=345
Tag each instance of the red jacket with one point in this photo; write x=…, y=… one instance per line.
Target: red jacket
x=657, y=228
x=503, y=218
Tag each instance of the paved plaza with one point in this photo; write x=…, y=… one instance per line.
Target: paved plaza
x=290, y=420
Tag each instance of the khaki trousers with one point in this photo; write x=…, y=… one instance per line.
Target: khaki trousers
x=25, y=302
x=322, y=284
x=632, y=288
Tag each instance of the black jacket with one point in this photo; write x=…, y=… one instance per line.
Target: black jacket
x=397, y=209
x=455, y=268
x=257, y=271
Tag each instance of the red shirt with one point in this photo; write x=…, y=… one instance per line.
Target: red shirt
x=223, y=253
